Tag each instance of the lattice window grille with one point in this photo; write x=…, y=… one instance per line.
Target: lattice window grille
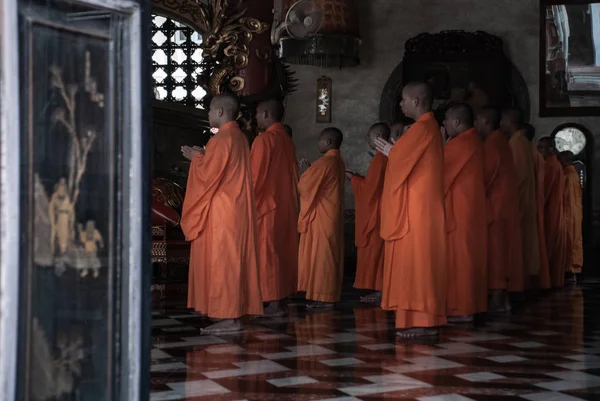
x=177, y=62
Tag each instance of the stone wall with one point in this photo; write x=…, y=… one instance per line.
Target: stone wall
x=385, y=26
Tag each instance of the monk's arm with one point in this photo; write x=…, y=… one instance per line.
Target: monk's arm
x=357, y=183
x=259, y=163
x=407, y=151
x=549, y=183
x=310, y=186
x=520, y=161
x=205, y=175
x=492, y=167
x=454, y=162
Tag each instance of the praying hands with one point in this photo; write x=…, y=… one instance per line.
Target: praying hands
x=303, y=164
x=190, y=151
x=383, y=146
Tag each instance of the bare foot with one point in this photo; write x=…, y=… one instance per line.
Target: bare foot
x=374, y=298
x=319, y=305
x=460, y=319
x=225, y=326
x=417, y=332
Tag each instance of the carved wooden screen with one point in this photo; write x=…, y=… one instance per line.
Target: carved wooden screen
x=74, y=321
x=177, y=62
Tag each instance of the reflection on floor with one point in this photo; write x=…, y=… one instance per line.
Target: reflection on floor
x=546, y=350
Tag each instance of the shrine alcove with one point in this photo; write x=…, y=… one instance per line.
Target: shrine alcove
x=451, y=61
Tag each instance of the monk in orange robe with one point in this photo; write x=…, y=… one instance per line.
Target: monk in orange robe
x=466, y=216
x=275, y=179
x=554, y=219
x=541, y=280
x=321, y=223
x=513, y=125
x=413, y=220
x=219, y=219
x=503, y=209
x=573, y=213
x=367, y=198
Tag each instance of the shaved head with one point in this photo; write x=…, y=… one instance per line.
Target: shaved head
x=459, y=118
x=547, y=147
x=492, y=115
x=274, y=108
x=566, y=158
x=417, y=99
x=422, y=91
x=548, y=140
x=268, y=113
x=529, y=131
x=487, y=121
x=463, y=112
x=380, y=130
x=224, y=108
x=330, y=138
x=512, y=120
x=228, y=103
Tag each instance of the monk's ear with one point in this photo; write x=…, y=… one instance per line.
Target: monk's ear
x=220, y=112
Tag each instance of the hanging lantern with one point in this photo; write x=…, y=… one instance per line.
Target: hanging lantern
x=336, y=42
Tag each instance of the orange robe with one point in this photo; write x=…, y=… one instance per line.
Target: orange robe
x=367, y=198
x=573, y=219
x=275, y=179
x=414, y=229
x=321, y=228
x=219, y=218
x=503, y=209
x=466, y=224
x=554, y=220
x=526, y=193
x=542, y=280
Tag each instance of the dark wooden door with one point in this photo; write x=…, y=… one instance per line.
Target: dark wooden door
x=78, y=299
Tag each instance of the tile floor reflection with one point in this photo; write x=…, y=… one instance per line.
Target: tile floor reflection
x=548, y=349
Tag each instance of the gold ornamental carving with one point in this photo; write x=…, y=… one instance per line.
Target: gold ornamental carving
x=226, y=35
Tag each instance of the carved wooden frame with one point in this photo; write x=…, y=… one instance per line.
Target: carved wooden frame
x=184, y=11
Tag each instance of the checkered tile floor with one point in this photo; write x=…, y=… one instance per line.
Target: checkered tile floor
x=548, y=349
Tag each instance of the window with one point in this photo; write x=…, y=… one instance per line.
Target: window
x=570, y=138
x=177, y=59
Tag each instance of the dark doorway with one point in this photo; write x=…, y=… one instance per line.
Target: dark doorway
x=580, y=141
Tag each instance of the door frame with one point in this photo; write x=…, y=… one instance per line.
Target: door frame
x=136, y=195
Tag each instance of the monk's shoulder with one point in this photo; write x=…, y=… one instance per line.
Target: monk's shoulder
x=427, y=127
x=220, y=141
x=264, y=141
x=329, y=165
